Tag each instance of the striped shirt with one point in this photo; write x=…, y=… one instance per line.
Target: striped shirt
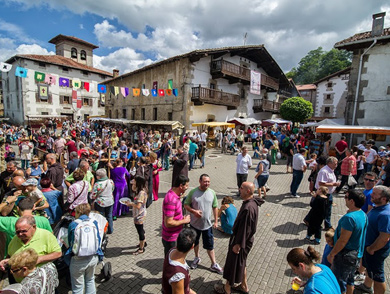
x=171, y=208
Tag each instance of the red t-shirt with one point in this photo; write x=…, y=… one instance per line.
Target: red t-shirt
x=341, y=145
x=71, y=146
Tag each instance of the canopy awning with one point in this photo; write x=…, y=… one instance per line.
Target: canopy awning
x=244, y=121
x=173, y=124
x=353, y=129
x=42, y=116
x=327, y=121
x=214, y=124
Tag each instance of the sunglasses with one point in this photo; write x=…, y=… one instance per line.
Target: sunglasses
x=14, y=271
x=369, y=180
x=22, y=231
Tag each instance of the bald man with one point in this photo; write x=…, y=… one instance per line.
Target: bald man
x=241, y=241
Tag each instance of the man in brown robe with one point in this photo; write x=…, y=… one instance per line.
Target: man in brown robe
x=241, y=242
x=180, y=164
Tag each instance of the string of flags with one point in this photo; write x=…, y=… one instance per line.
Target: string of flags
x=76, y=84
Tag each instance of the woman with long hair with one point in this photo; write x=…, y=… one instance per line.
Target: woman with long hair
x=157, y=167
x=119, y=176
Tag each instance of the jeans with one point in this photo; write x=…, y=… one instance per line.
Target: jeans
x=328, y=211
x=25, y=164
x=166, y=161
x=107, y=213
x=202, y=160
x=82, y=274
x=344, y=266
x=368, y=167
x=192, y=160
x=297, y=179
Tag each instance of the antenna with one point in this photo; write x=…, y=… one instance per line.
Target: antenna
x=245, y=35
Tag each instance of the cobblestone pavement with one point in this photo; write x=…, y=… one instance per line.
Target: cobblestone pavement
x=280, y=228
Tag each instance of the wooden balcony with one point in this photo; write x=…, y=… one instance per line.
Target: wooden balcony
x=269, y=82
x=260, y=105
x=201, y=95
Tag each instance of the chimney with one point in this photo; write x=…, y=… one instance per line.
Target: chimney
x=378, y=21
x=115, y=73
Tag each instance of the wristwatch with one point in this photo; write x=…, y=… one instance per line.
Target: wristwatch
x=6, y=202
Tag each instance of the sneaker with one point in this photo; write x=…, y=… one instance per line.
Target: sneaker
x=364, y=289
x=195, y=263
x=360, y=277
x=308, y=240
x=216, y=268
x=295, y=196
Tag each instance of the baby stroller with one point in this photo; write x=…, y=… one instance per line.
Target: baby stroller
x=61, y=232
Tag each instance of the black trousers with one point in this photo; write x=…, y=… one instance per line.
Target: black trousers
x=240, y=179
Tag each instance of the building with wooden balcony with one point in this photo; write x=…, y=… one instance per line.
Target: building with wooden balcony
x=212, y=85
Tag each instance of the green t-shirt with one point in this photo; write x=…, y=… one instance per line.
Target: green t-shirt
x=88, y=177
x=7, y=226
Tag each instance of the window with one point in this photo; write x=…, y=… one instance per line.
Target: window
x=73, y=53
x=170, y=116
x=155, y=113
x=44, y=113
x=85, y=73
x=87, y=102
x=65, y=69
x=328, y=96
x=327, y=110
x=103, y=77
x=330, y=84
x=41, y=64
x=65, y=100
x=142, y=113
x=124, y=114
x=83, y=55
x=242, y=93
x=212, y=86
x=133, y=114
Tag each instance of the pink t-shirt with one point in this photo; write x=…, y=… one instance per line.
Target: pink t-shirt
x=172, y=207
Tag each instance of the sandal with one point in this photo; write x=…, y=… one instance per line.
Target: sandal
x=139, y=251
x=146, y=244
x=240, y=289
x=220, y=289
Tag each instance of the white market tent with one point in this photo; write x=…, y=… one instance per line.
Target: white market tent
x=327, y=121
x=244, y=121
x=278, y=121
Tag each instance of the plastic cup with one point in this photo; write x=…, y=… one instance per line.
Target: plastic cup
x=295, y=286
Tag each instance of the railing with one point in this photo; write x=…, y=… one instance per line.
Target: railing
x=201, y=95
x=269, y=82
x=266, y=105
x=229, y=68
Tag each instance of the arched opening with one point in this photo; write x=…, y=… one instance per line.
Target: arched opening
x=83, y=55
x=73, y=52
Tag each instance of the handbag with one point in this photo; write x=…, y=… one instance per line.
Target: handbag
x=67, y=204
x=351, y=181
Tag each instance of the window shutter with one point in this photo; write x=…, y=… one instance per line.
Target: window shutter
x=37, y=98
x=90, y=102
x=50, y=99
x=61, y=99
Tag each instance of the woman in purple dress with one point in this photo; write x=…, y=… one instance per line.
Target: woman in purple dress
x=119, y=175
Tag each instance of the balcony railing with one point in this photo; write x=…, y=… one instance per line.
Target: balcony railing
x=230, y=69
x=201, y=95
x=266, y=105
x=269, y=82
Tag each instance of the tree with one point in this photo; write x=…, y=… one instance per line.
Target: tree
x=318, y=64
x=296, y=109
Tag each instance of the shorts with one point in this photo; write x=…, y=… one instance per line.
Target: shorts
x=262, y=180
x=207, y=238
x=374, y=264
x=344, y=266
x=289, y=160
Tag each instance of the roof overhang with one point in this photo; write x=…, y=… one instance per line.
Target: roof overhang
x=353, y=129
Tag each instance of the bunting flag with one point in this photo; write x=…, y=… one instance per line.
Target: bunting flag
x=76, y=84
x=102, y=99
x=175, y=92
x=43, y=92
x=154, y=92
x=21, y=72
x=112, y=90
x=145, y=92
x=136, y=92
x=116, y=91
x=168, y=92
x=50, y=79
x=74, y=95
x=64, y=82
x=161, y=92
x=255, y=87
x=86, y=86
x=170, y=84
x=5, y=67
x=79, y=103
x=102, y=88
x=124, y=91
x=39, y=77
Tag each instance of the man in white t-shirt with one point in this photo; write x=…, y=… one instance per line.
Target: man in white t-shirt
x=244, y=162
x=203, y=136
x=299, y=167
x=371, y=156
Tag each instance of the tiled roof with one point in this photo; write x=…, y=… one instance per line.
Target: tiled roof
x=362, y=37
x=60, y=38
x=306, y=87
x=60, y=60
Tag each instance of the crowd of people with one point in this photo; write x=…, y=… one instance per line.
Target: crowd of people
x=78, y=168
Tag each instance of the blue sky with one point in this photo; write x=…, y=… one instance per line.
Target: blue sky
x=135, y=33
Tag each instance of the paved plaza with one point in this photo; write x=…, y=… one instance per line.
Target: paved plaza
x=280, y=228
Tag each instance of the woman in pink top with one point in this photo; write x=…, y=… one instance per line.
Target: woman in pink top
x=348, y=167
x=78, y=191
x=157, y=167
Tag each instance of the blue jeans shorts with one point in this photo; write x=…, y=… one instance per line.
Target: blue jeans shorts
x=344, y=266
x=207, y=238
x=374, y=264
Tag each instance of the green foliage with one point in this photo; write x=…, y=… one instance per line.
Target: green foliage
x=318, y=64
x=296, y=109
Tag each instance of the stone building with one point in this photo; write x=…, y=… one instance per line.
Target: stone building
x=309, y=93
x=212, y=85
x=73, y=61
x=368, y=98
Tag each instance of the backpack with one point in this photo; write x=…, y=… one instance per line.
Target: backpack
x=86, y=240
x=25, y=149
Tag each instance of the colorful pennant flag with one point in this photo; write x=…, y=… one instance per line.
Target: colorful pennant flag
x=145, y=92
x=5, y=67
x=86, y=86
x=168, y=92
x=79, y=103
x=102, y=99
x=175, y=92
x=116, y=91
x=154, y=92
x=43, y=92
x=74, y=95
x=170, y=84
x=112, y=90
x=136, y=92
x=50, y=79
x=76, y=84
x=39, y=77
x=102, y=88
x=21, y=72
x=124, y=91
x=161, y=92
x=64, y=82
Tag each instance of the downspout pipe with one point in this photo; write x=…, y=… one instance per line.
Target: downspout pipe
x=358, y=86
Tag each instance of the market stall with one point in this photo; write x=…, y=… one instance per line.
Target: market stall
x=209, y=126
